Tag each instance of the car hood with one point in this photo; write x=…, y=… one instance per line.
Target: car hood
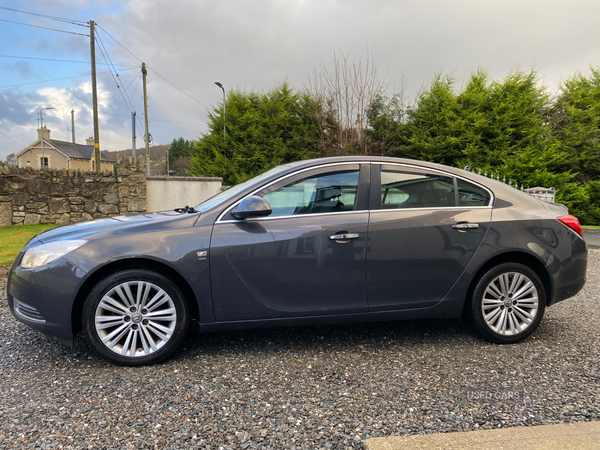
x=119, y=226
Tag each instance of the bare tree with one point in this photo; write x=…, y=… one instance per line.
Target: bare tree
x=11, y=160
x=387, y=132
x=341, y=97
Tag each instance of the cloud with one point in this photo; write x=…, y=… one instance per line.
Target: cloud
x=22, y=68
x=259, y=44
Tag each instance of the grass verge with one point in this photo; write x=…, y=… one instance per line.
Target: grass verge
x=590, y=227
x=12, y=240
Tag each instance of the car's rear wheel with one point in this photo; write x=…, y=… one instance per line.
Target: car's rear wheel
x=507, y=304
x=135, y=317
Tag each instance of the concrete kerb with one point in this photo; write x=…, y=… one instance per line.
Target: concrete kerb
x=585, y=435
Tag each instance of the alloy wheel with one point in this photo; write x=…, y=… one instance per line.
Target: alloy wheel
x=135, y=318
x=510, y=303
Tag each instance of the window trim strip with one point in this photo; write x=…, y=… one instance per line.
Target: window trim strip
x=492, y=197
x=306, y=169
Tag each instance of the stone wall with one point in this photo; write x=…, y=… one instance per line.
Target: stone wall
x=29, y=196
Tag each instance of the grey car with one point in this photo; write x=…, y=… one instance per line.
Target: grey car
x=312, y=242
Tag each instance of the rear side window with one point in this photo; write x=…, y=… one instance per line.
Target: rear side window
x=407, y=188
x=471, y=195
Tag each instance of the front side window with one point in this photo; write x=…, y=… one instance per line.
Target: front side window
x=408, y=188
x=317, y=194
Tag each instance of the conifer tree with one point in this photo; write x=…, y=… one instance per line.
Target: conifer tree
x=262, y=131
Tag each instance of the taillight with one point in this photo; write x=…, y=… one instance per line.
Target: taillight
x=573, y=223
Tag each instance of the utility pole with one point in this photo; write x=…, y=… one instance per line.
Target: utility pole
x=73, y=124
x=133, y=134
x=43, y=165
x=95, y=99
x=144, y=72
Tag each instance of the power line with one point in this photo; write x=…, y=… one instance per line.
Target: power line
x=153, y=70
x=123, y=116
x=11, y=139
x=105, y=54
x=54, y=79
x=181, y=90
x=126, y=49
x=107, y=58
x=45, y=28
x=46, y=16
x=117, y=130
x=134, y=91
x=177, y=121
x=58, y=60
x=109, y=106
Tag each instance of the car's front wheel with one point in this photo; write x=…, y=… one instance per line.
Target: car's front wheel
x=507, y=304
x=135, y=317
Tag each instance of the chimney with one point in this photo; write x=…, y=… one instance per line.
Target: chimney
x=89, y=141
x=46, y=133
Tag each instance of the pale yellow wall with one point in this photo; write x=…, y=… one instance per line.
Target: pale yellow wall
x=103, y=166
x=88, y=165
x=80, y=164
x=56, y=160
x=106, y=166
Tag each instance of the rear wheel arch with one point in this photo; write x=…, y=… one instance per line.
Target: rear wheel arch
x=125, y=264
x=526, y=259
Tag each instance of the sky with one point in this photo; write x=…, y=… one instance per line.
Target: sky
x=188, y=45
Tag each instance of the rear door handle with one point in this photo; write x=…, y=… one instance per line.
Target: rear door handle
x=465, y=226
x=343, y=236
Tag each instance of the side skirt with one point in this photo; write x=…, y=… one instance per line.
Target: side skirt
x=444, y=310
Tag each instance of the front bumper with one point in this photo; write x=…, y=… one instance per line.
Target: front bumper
x=43, y=298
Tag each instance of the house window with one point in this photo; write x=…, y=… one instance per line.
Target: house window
x=28, y=163
x=44, y=162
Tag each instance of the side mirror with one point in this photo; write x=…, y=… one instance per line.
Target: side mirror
x=253, y=206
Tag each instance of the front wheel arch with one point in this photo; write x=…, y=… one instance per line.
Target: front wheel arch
x=132, y=263
x=135, y=317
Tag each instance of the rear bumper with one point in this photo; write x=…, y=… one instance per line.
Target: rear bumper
x=568, y=267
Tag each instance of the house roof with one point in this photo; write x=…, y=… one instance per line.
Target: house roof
x=70, y=150
x=73, y=150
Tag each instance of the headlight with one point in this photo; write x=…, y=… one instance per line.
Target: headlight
x=46, y=253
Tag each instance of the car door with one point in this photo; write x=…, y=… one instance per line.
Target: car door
x=306, y=258
x=425, y=227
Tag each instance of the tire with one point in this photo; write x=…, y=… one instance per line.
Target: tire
x=507, y=304
x=120, y=318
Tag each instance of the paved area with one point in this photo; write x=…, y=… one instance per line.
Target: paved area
x=305, y=388
x=580, y=436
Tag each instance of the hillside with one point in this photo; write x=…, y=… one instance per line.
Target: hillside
x=157, y=152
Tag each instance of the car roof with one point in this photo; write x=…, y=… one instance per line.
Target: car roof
x=501, y=190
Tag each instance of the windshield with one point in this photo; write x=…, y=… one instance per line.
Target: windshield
x=230, y=193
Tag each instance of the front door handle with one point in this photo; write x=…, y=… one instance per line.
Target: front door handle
x=343, y=236
x=465, y=226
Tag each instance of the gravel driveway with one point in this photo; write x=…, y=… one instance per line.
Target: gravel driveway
x=310, y=387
